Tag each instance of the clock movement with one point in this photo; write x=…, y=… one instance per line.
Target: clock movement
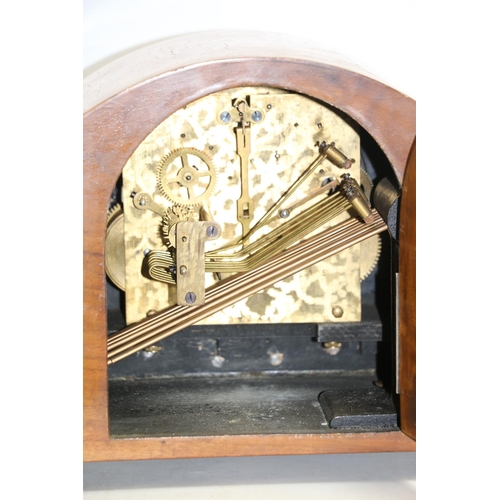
x=249, y=253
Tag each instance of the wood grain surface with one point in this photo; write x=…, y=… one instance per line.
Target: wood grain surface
x=408, y=299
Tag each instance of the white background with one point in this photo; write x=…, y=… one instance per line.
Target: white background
x=441, y=53
x=380, y=36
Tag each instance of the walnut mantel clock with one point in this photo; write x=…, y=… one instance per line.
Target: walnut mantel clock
x=249, y=253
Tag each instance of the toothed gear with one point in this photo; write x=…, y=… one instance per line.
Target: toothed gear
x=366, y=183
x=369, y=254
x=172, y=216
x=113, y=212
x=369, y=249
x=114, y=257
x=186, y=176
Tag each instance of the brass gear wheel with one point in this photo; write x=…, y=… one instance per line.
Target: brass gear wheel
x=114, y=212
x=172, y=216
x=369, y=249
x=369, y=255
x=186, y=176
x=114, y=256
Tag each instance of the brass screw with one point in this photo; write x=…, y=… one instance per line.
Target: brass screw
x=332, y=348
x=183, y=270
x=337, y=311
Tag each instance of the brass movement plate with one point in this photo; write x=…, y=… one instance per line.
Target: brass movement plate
x=283, y=143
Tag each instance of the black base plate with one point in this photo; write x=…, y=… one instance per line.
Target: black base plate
x=355, y=409
x=229, y=404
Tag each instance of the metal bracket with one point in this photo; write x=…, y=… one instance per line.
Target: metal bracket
x=190, y=260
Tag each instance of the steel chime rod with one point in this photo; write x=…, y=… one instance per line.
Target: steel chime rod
x=282, y=237
x=119, y=338
x=224, y=293
x=346, y=229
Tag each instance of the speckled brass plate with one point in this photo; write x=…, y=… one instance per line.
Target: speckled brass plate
x=283, y=145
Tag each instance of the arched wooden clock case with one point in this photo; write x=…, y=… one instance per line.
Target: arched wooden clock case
x=126, y=101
